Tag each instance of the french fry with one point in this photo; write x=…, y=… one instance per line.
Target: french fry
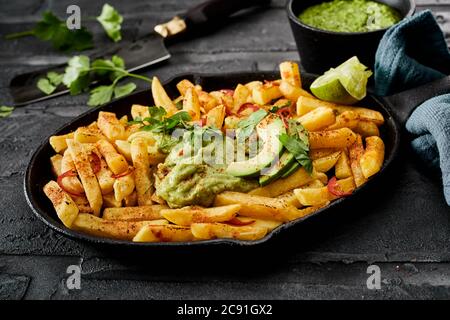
x=124, y=120
x=372, y=159
x=291, y=92
x=109, y=201
x=155, y=156
x=142, y=172
x=311, y=103
x=191, y=104
x=141, y=213
x=71, y=184
x=123, y=186
x=224, y=99
x=207, y=101
x=290, y=199
x=215, y=116
x=289, y=72
x=347, y=119
x=116, y=162
x=121, y=230
x=58, y=143
x=161, y=99
x=283, y=185
x=259, y=223
x=318, y=119
x=240, y=96
x=110, y=126
x=259, y=207
x=194, y=214
x=184, y=85
x=65, y=207
x=356, y=150
x=326, y=163
x=130, y=200
x=88, y=135
x=343, y=169
x=207, y=231
x=367, y=129
x=55, y=162
x=104, y=175
x=87, y=176
x=339, y=138
x=164, y=233
x=321, y=196
x=124, y=148
x=139, y=112
x=266, y=93
x=320, y=153
x=231, y=122
x=83, y=204
x=253, y=85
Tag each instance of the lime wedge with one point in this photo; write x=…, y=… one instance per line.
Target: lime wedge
x=344, y=84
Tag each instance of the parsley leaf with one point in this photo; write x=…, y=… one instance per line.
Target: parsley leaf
x=54, y=30
x=49, y=84
x=101, y=95
x=247, y=125
x=157, y=113
x=111, y=21
x=126, y=89
x=297, y=143
x=5, y=111
x=45, y=86
x=76, y=76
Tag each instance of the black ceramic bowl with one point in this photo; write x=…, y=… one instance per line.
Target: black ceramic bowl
x=321, y=50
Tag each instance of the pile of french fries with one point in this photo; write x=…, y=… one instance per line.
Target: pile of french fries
x=103, y=172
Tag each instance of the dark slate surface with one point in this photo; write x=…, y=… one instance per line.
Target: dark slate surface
x=402, y=224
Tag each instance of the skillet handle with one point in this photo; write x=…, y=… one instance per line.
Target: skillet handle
x=404, y=103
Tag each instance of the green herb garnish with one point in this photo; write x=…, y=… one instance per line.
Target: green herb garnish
x=54, y=30
x=111, y=21
x=5, y=111
x=297, y=143
x=247, y=126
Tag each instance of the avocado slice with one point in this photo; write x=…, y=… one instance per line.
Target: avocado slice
x=268, y=131
x=283, y=165
x=295, y=166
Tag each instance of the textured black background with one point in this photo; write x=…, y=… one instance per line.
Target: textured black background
x=401, y=224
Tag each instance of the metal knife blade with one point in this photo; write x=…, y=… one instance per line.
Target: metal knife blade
x=140, y=54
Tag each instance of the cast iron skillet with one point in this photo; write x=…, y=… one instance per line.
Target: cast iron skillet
x=395, y=110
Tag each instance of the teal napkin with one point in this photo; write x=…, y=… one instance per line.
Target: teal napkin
x=410, y=54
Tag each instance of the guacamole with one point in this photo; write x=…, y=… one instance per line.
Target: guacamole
x=350, y=16
x=196, y=184
x=193, y=177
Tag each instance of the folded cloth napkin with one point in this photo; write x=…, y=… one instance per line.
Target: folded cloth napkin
x=410, y=54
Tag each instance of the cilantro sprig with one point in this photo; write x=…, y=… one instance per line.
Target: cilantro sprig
x=54, y=30
x=80, y=74
x=158, y=122
x=296, y=141
x=111, y=21
x=51, y=28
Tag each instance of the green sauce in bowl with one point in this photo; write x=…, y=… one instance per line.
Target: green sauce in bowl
x=350, y=16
